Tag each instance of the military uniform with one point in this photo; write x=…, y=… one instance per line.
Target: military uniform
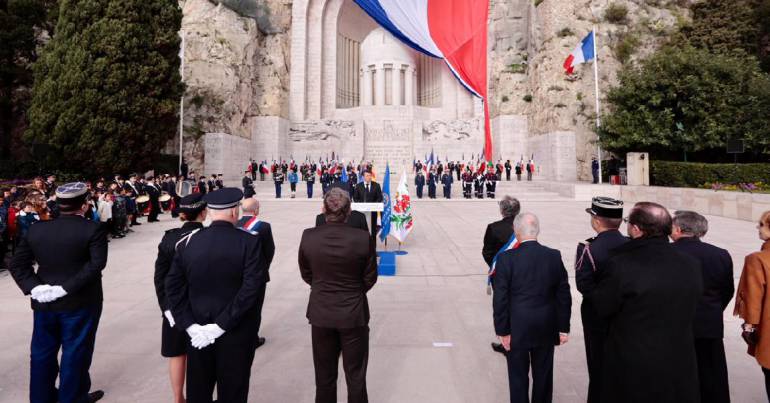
x=66, y=292
x=446, y=180
x=432, y=180
x=213, y=288
x=278, y=181
x=491, y=182
x=592, y=255
x=174, y=341
x=467, y=184
x=419, y=183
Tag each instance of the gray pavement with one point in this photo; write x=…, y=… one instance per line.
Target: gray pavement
x=438, y=296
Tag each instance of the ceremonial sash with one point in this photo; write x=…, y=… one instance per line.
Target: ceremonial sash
x=251, y=226
x=511, y=244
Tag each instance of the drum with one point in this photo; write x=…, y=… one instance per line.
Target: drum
x=165, y=201
x=142, y=203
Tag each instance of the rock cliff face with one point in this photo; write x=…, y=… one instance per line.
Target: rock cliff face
x=237, y=62
x=236, y=67
x=560, y=102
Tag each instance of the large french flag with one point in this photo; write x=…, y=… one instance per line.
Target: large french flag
x=452, y=30
x=583, y=53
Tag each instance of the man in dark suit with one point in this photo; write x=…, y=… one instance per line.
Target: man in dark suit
x=648, y=293
x=591, y=258
x=213, y=288
x=369, y=191
x=531, y=310
x=251, y=223
x=497, y=236
x=66, y=292
x=717, y=271
x=340, y=264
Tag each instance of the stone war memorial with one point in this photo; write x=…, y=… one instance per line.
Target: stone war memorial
x=498, y=251
x=303, y=79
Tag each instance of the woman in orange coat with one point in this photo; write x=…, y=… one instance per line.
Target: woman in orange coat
x=751, y=303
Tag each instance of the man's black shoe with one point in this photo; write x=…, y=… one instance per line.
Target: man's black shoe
x=260, y=342
x=95, y=396
x=498, y=347
x=135, y=223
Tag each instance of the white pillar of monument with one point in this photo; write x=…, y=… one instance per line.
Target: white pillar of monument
x=409, y=85
x=396, y=76
x=366, y=87
x=380, y=85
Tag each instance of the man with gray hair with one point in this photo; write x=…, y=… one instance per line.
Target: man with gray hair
x=498, y=238
x=532, y=306
x=708, y=328
x=251, y=223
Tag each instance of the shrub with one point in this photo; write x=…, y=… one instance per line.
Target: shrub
x=505, y=98
x=616, y=13
x=696, y=174
x=564, y=32
x=625, y=47
x=527, y=98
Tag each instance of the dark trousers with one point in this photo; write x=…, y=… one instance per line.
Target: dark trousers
x=448, y=192
x=310, y=190
x=74, y=332
x=529, y=176
x=327, y=345
x=253, y=175
x=154, y=210
x=519, y=362
x=277, y=190
x=419, y=192
x=432, y=192
x=260, y=304
x=594, y=341
x=712, y=370
x=261, y=176
x=507, y=174
x=766, y=372
x=595, y=175
x=226, y=364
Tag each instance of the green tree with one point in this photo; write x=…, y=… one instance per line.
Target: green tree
x=729, y=26
x=688, y=100
x=107, y=87
x=22, y=24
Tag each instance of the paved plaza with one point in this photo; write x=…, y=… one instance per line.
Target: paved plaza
x=437, y=296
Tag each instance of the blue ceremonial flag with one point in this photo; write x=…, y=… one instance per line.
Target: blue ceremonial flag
x=386, y=209
x=344, y=178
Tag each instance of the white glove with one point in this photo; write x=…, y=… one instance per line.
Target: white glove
x=39, y=291
x=169, y=317
x=54, y=293
x=198, y=336
x=213, y=331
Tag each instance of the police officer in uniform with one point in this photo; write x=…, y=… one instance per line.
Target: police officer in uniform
x=419, y=183
x=66, y=292
x=213, y=289
x=467, y=183
x=278, y=181
x=174, y=341
x=592, y=255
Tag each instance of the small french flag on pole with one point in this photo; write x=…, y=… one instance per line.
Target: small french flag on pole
x=584, y=52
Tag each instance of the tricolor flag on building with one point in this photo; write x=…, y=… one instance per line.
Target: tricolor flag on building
x=452, y=30
x=584, y=52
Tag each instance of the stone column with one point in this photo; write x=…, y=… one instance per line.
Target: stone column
x=396, y=90
x=409, y=85
x=380, y=85
x=366, y=87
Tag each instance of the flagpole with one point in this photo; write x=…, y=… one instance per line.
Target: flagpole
x=596, y=92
